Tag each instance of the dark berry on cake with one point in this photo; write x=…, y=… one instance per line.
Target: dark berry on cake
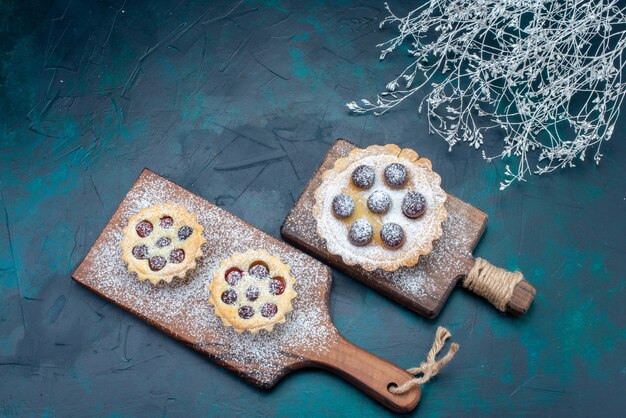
x=395, y=175
x=184, y=232
x=140, y=252
x=392, y=235
x=156, y=263
x=163, y=242
x=379, y=202
x=343, y=205
x=268, y=310
x=177, y=255
x=229, y=296
x=361, y=232
x=413, y=205
x=252, y=293
x=363, y=176
x=246, y=312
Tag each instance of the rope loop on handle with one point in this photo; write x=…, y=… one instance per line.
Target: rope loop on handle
x=431, y=366
x=491, y=282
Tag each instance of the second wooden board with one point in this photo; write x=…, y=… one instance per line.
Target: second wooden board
x=423, y=288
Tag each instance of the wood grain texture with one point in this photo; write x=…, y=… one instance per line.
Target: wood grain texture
x=523, y=296
x=436, y=274
x=369, y=372
x=363, y=369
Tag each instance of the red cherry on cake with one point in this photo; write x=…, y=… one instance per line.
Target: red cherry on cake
x=156, y=263
x=277, y=286
x=363, y=176
x=229, y=296
x=246, y=312
x=233, y=275
x=166, y=222
x=268, y=310
x=144, y=228
x=259, y=270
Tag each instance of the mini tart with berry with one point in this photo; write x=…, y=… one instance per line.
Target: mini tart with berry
x=381, y=207
x=161, y=242
x=252, y=291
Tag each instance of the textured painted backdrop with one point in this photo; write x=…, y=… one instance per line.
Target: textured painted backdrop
x=238, y=102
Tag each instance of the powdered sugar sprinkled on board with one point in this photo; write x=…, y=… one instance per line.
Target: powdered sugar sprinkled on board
x=418, y=281
x=182, y=307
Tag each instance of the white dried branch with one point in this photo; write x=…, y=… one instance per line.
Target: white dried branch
x=548, y=73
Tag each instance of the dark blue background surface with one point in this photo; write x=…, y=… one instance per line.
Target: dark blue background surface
x=238, y=102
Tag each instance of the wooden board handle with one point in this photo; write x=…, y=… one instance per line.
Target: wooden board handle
x=370, y=373
x=508, y=291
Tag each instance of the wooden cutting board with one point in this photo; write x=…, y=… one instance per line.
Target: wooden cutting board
x=307, y=339
x=423, y=288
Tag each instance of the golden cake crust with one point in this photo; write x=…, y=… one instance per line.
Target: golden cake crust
x=420, y=233
x=160, y=232
x=229, y=313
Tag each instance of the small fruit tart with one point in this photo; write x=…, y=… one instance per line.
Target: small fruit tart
x=252, y=291
x=161, y=242
x=381, y=207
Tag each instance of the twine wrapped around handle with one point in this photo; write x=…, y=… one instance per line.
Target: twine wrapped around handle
x=493, y=283
x=431, y=366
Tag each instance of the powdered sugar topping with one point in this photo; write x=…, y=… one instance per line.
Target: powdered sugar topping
x=379, y=202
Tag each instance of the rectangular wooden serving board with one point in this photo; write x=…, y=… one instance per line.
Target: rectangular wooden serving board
x=423, y=288
x=181, y=308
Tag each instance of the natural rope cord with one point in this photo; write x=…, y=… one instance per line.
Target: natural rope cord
x=431, y=366
x=491, y=282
